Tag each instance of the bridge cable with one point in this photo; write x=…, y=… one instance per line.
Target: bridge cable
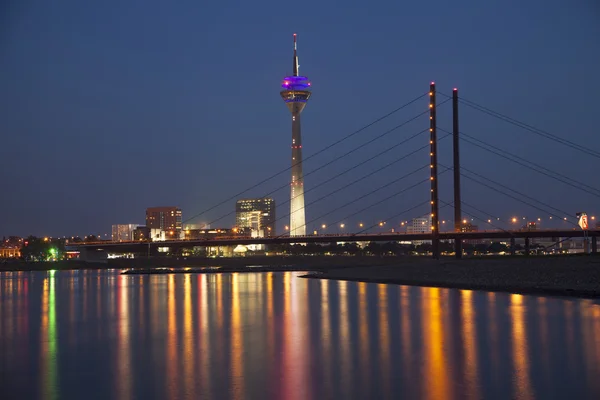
x=521, y=161
x=469, y=214
x=398, y=214
x=368, y=194
x=566, y=182
x=309, y=157
x=527, y=127
x=359, y=147
x=513, y=197
x=366, y=176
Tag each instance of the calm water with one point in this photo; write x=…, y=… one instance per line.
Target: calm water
x=101, y=335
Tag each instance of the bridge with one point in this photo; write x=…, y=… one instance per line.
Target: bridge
x=460, y=231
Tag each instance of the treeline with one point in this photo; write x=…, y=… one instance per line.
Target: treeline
x=383, y=248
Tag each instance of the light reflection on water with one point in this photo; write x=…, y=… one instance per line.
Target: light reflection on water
x=97, y=334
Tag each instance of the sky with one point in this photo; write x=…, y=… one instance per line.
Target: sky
x=111, y=107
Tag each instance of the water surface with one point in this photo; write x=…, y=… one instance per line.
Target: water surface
x=101, y=335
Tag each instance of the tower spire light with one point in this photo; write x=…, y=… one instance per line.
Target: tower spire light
x=296, y=65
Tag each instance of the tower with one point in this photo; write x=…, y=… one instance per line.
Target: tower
x=295, y=94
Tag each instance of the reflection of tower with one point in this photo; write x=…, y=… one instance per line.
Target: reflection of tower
x=295, y=95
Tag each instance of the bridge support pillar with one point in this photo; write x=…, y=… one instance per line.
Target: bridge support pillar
x=435, y=226
x=513, y=245
x=594, y=245
x=527, y=247
x=456, y=167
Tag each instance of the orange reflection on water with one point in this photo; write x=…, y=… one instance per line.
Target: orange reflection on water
x=522, y=381
x=171, y=361
x=363, y=328
x=384, y=337
x=326, y=336
x=270, y=323
x=344, y=337
x=405, y=330
x=436, y=378
x=295, y=340
x=124, y=347
x=237, y=340
x=469, y=336
x=205, y=348
x=219, y=295
x=188, y=334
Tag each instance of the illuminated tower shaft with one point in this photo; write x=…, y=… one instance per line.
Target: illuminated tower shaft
x=295, y=95
x=297, y=214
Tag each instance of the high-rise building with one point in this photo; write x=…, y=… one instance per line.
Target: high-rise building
x=164, y=219
x=123, y=232
x=257, y=215
x=419, y=225
x=295, y=94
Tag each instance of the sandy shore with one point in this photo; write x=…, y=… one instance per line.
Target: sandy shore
x=554, y=276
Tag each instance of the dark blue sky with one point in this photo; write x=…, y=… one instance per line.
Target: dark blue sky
x=110, y=107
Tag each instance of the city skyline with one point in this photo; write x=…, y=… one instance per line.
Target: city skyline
x=77, y=122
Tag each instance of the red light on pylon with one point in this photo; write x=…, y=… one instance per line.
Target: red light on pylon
x=432, y=82
x=454, y=90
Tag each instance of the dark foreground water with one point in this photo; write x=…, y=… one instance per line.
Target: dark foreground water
x=100, y=335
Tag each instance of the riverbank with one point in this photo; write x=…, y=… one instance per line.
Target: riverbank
x=577, y=276
x=297, y=263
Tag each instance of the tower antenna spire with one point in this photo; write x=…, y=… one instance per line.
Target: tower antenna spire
x=296, y=66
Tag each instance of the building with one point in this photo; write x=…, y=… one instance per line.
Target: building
x=10, y=251
x=164, y=219
x=258, y=215
x=469, y=227
x=295, y=94
x=420, y=225
x=123, y=232
x=141, y=233
x=207, y=234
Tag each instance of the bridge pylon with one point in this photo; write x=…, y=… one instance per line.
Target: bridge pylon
x=435, y=225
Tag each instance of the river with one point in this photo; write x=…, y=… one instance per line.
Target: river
x=102, y=335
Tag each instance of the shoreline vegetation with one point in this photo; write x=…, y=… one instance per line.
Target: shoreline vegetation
x=570, y=276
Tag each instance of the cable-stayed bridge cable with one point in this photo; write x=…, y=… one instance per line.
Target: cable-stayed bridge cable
x=387, y=198
x=366, y=176
x=522, y=161
x=361, y=146
x=527, y=127
x=309, y=157
x=513, y=197
x=370, y=193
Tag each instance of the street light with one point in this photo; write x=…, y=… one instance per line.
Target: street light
x=323, y=226
x=342, y=226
